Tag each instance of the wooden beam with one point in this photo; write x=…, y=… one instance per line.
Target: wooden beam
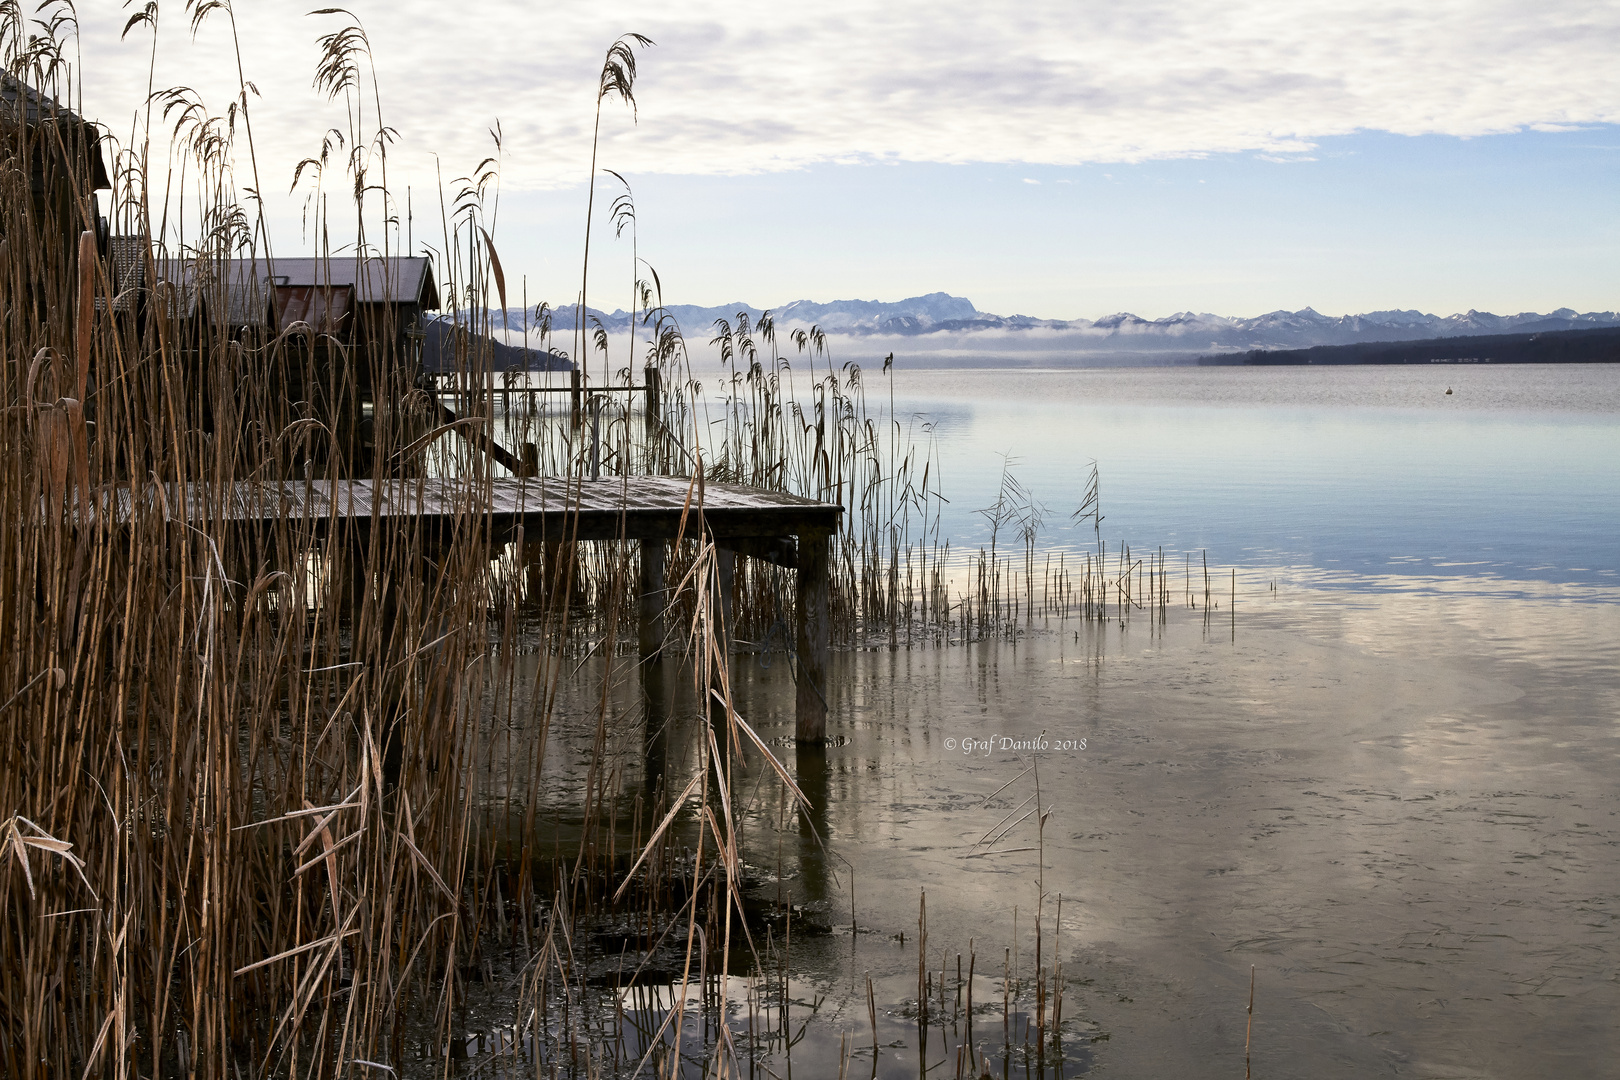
x=653, y=601
x=814, y=619
x=753, y=522
x=780, y=550
x=653, y=405
x=480, y=440
x=725, y=573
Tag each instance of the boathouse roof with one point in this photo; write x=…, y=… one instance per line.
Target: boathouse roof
x=249, y=284
x=18, y=100
x=397, y=279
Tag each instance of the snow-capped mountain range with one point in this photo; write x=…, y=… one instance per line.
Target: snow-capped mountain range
x=939, y=321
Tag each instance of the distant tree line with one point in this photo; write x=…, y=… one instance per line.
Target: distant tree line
x=448, y=348
x=1600, y=346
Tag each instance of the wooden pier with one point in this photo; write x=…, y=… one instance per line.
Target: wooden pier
x=783, y=529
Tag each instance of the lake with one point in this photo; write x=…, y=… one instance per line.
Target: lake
x=1384, y=786
x=1329, y=472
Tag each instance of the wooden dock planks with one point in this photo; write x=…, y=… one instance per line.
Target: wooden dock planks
x=785, y=529
x=632, y=508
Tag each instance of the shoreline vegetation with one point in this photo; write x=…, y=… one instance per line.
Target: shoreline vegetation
x=243, y=829
x=1597, y=346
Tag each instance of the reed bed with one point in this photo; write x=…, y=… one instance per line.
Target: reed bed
x=239, y=834
x=778, y=422
x=896, y=578
x=247, y=830
x=243, y=832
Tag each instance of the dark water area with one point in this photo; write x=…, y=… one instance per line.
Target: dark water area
x=1384, y=786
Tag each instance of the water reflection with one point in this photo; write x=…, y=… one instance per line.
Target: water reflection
x=1394, y=804
x=1392, y=807
x=1359, y=470
x=967, y=1028
x=812, y=777
x=657, y=714
x=1384, y=782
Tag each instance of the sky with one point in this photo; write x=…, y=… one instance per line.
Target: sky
x=1055, y=160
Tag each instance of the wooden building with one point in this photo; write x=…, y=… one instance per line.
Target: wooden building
x=50, y=169
x=336, y=340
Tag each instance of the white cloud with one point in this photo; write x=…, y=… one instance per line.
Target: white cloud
x=751, y=87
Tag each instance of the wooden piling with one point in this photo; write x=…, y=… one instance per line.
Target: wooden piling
x=651, y=628
x=651, y=388
x=814, y=626
x=653, y=509
x=725, y=573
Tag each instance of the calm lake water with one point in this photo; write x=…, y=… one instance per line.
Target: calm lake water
x=1330, y=472
x=1388, y=786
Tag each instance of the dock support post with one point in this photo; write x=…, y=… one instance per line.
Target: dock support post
x=531, y=566
x=650, y=387
x=814, y=619
x=654, y=697
x=726, y=570
x=652, y=410
x=651, y=628
x=575, y=399
x=725, y=574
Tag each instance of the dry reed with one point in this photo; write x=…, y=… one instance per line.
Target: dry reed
x=246, y=825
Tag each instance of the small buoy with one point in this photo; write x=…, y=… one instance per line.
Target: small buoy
x=1448, y=390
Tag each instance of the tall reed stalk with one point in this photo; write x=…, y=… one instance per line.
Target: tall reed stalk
x=248, y=825
x=239, y=833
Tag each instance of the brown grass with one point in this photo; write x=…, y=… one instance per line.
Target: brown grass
x=245, y=828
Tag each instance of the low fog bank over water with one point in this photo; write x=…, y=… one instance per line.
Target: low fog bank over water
x=1000, y=351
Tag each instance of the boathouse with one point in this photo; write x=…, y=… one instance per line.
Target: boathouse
x=59, y=154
